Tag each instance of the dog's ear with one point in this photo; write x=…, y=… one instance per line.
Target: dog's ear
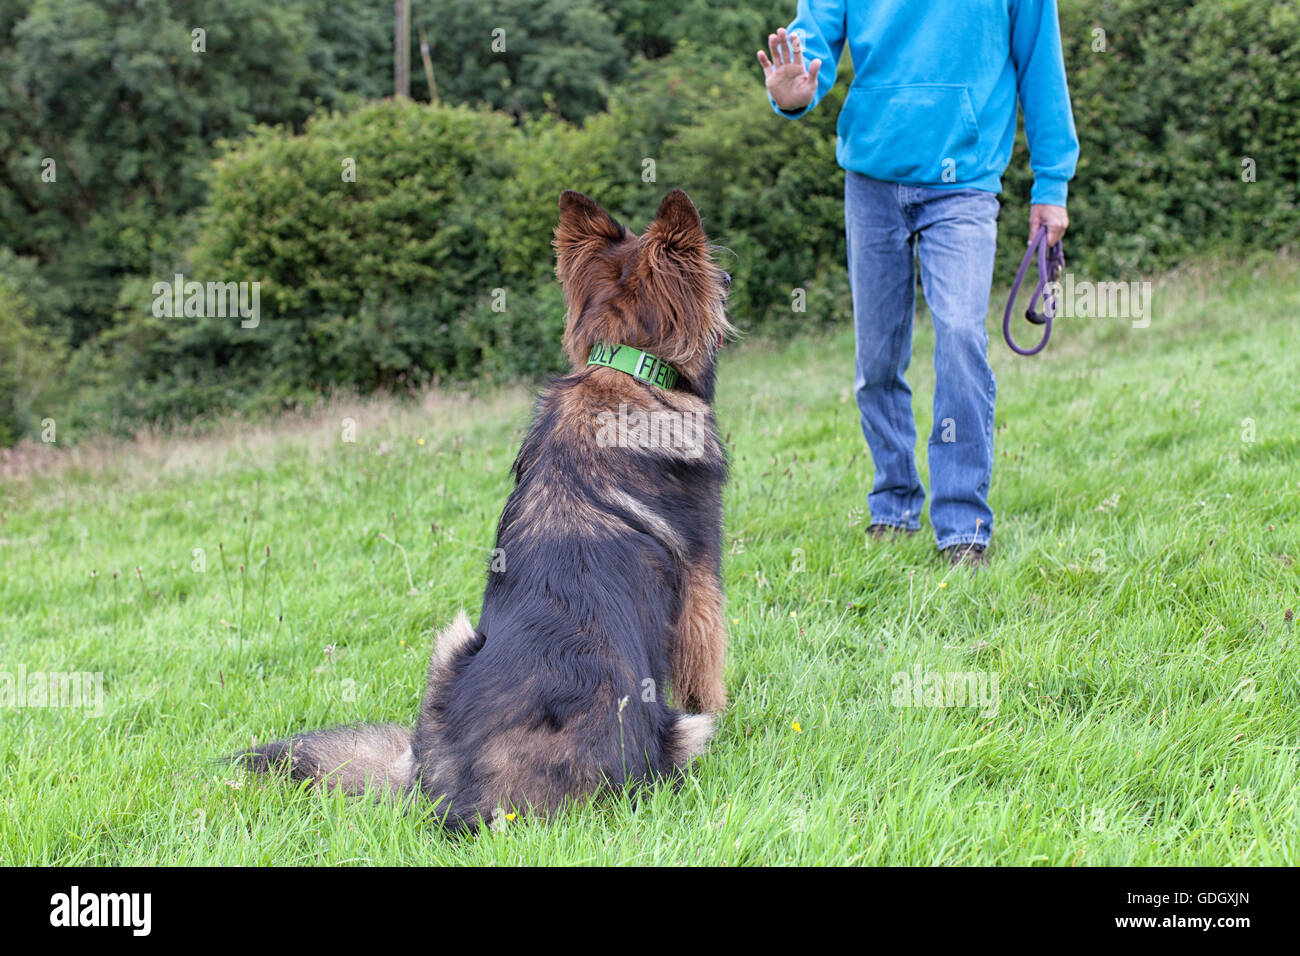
x=677, y=225
x=581, y=220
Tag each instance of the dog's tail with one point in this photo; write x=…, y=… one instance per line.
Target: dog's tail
x=361, y=756
x=352, y=758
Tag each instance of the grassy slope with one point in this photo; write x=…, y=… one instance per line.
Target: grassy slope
x=1145, y=555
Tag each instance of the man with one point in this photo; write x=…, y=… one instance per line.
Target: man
x=924, y=136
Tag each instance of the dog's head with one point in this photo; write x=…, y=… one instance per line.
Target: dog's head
x=660, y=291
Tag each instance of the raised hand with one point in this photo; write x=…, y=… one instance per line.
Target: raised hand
x=790, y=84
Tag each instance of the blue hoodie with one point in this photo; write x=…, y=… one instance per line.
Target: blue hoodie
x=933, y=100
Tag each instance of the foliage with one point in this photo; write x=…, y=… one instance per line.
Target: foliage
x=526, y=56
x=29, y=366
x=393, y=279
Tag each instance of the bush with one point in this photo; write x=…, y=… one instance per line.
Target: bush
x=526, y=56
x=358, y=278
x=29, y=367
x=1181, y=95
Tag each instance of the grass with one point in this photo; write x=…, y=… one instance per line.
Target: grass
x=263, y=580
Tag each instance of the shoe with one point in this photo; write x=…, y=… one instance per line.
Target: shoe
x=880, y=532
x=974, y=555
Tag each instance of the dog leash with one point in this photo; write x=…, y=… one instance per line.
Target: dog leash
x=1051, y=260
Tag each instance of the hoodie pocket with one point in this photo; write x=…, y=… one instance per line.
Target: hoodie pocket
x=912, y=133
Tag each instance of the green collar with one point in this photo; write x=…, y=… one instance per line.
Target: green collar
x=638, y=364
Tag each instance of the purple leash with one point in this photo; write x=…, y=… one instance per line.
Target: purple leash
x=1050, y=263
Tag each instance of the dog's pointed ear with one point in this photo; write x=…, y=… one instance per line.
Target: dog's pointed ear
x=677, y=223
x=582, y=220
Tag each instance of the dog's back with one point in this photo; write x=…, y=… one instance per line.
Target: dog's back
x=560, y=690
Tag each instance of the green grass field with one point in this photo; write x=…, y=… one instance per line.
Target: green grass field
x=1135, y=617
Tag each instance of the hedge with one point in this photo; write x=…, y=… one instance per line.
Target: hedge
x=436, y=261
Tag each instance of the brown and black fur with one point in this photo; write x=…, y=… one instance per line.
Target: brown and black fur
x=611, y=588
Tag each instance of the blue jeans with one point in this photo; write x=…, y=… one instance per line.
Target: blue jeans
x=953, y=234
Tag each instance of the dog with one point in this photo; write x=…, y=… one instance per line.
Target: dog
x=607, y=589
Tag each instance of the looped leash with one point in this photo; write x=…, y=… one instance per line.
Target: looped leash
x=1051, y=260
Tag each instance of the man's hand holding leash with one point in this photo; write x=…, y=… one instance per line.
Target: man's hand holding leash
x=1055, y=218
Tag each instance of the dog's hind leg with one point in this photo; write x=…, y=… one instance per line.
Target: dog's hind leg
x=686, y=739
x=457, y=636
x=699, y=645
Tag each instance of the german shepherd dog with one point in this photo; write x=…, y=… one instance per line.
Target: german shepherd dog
x=610, y=587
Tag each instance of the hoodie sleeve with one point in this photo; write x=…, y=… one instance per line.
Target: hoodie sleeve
x=1044, y=98
x=822, y=25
